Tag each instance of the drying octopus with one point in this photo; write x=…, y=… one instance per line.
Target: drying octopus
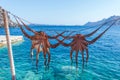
x=40, y=42
x=80, y=43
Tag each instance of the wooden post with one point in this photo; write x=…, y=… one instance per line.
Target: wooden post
x=6, y=25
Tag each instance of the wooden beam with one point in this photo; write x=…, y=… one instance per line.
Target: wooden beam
x=6, y=26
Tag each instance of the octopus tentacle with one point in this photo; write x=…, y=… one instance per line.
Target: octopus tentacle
x=87, y=55
x=48, y=58
x=82, y=57
x=30, y=37
x=37, y=58
x=73, y=42
x=95, y=39
x=57, y=44
x=31, y=52
x=76, y=57
x=67, y=37
x=54, y=45
x=71, y=52
x=88, y=35
x=83, y=47
x=28, y=27
x=54, y=37
x=45, y=60
x=80, y=47
x=44, y=54
x=64, y=44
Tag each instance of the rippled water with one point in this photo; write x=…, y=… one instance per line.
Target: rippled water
x=103, y=64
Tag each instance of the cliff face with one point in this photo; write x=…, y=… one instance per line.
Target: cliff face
x=11, y=23
x=104, y=20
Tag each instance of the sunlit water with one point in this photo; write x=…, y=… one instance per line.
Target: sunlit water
x=103, y=64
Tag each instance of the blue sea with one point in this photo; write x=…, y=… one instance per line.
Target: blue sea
x=103, y=63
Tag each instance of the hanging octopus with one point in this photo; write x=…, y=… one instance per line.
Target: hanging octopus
x=80, y=43
x=40, y=42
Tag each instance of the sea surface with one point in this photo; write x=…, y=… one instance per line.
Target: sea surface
x=103, y=63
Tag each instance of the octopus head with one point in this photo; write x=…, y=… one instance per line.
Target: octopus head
x=80, y=36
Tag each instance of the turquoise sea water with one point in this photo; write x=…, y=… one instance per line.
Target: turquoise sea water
x=103, y=64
